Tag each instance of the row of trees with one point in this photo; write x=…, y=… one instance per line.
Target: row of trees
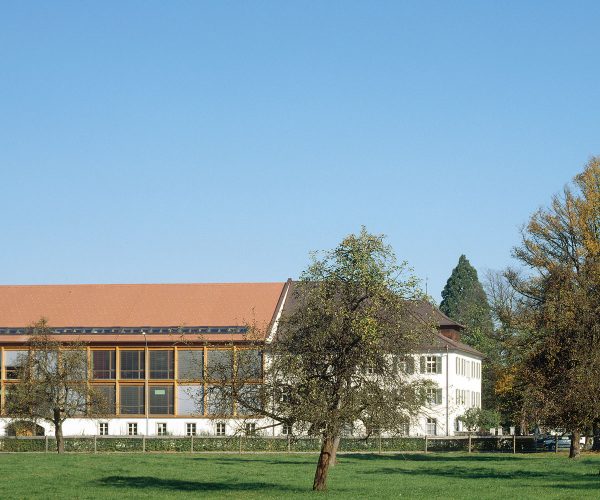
x=538, y=324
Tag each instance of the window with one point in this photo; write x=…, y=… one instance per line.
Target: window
x=103, y=364
x=190, y=429
x=190, y=400
x=132, y=399
x=250, y=429
x=220, y=428
x=286, y=429
x=431, y=428
x=132, y=364
x=220, y=364
x=132, y=429
x=434, y=396
x=161, y=399
x=220, y=401
x=404, y=429
x=249, y=364
x=457, y=425
x=13, y=360
x=161, y=364
x=103, y=428
x=431, y=364
x=406, y=365
x=190, y=364
x=249, y=400
x=161, y=429
x=286, y=394
x=103, y=399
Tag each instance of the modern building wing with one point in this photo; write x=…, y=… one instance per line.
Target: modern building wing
x=152, y=350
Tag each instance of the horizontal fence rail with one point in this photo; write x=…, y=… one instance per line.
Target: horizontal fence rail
x=254, y=444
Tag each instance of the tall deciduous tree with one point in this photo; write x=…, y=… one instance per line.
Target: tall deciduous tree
x=560, y=306
x=52, y=382
x=339, y=353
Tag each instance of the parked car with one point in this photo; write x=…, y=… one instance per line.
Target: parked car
x=564, y=443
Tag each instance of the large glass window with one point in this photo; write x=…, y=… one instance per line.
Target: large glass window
x=13, y=360
x=103, y=399
x=190, y=400
x=161, y=399
x=132, y=364
x=190, y=364
x=103, y=364
x=131, y=399
x=248, y=402
x=220, y=364
x=161, y=364
x=220, y=401
x=249, y=364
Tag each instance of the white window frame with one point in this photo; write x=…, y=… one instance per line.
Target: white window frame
x=428, y=426
x=220, y=429
x=103, y=429
x=132, y=429
x=190, y=429
x=161, y=428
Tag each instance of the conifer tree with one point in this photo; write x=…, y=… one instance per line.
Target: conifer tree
x=465, y=301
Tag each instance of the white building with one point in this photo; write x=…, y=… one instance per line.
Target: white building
x=159, y=385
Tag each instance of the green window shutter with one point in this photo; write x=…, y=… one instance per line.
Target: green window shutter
x=422, y=359
x=438, y=364
x=438, y=396
x=410, y=365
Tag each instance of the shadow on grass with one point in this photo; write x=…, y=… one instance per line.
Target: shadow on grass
x=433, y=457
x=174, y=485
x=288, y=460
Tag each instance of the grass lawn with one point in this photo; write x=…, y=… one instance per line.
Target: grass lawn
x=448, y=475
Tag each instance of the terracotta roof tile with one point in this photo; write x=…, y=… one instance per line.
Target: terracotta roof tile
x=197, y=304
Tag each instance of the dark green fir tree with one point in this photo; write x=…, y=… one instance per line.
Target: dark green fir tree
x=465, y=301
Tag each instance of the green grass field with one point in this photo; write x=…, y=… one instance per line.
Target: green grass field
x=448, y=475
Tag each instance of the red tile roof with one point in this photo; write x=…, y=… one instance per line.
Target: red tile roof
x=197, y=304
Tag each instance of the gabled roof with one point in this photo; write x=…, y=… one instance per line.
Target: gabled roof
x=196, y=304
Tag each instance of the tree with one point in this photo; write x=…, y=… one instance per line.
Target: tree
x=559, y=302
x=52, y=382
x=339, y=354
x=464, y=300
x=476, y=418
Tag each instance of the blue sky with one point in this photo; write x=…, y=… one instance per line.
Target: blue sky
x=223, y=141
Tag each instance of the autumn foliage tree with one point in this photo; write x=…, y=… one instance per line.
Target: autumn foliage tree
x=559, y=307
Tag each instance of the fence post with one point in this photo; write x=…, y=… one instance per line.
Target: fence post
x=425, y=443
x=240, y=443
x=556, y=444
x=46, y=444
x=192, y=445
x=289, y=444
x=95, y=446
x=380, y=443
x=469, y=442
x=144, y=443
x=514, y=444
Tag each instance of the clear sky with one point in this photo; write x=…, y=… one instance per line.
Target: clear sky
x=153, y=141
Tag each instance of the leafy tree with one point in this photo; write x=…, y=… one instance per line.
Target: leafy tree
x=477, y=418
x=464, y=300
x=52, y=383
x=338, y=355
x=559, y=302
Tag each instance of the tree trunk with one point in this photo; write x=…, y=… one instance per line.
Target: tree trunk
x=58, y=433
x=596, y=443
x=333, y=459
x=575, y=449
x=320, y=482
